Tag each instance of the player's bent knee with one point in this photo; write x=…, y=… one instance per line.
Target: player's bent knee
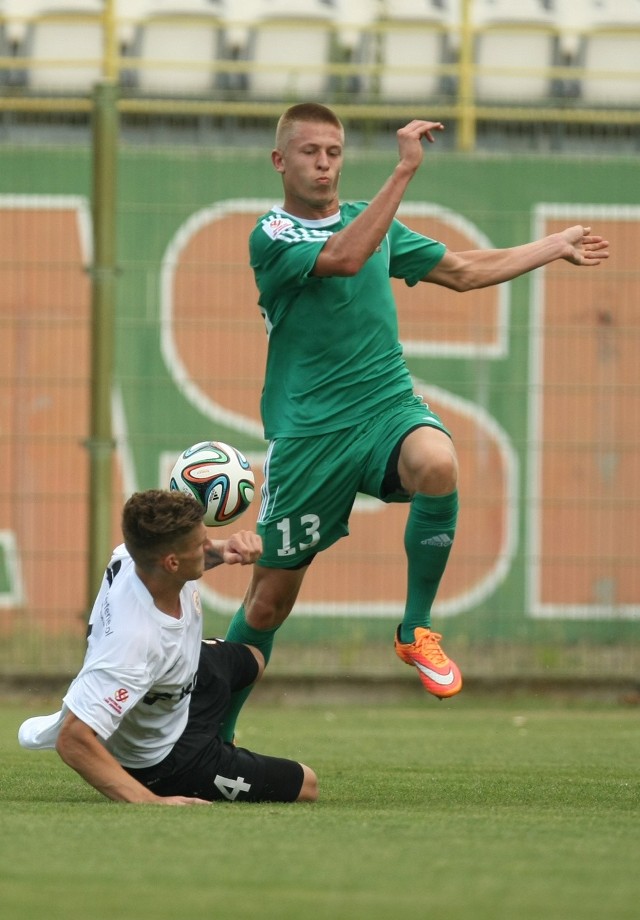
x=428, y=463
x=309, y=789
x=438, y=475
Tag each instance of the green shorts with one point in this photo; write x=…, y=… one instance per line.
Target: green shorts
x=311, y=483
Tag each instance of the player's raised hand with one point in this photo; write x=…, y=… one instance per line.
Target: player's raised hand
x=583, y=247
x=410, y=140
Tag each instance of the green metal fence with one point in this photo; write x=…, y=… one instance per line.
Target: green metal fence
x=538, y=382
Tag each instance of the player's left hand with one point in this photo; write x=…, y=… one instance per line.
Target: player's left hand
x=584, y=248
x=243, y=548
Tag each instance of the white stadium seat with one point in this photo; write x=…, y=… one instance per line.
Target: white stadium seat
x=43, y=31
x=512, y=36
x=411, y=49
x=353, y=17
x=239, y=16
x=182, y=38
x=357, y=41
x=129, y=16
x=290, y=48
x=610, y=55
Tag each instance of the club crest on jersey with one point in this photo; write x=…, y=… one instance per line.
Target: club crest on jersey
x=197, y=604
x=276, y=226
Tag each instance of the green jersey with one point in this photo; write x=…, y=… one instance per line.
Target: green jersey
x=334, y=356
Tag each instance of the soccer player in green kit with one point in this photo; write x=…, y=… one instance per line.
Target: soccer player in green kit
x=338, y=406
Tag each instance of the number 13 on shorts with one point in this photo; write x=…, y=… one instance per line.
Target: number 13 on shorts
x=310, y=525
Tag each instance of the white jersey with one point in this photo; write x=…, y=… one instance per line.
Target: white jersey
x=139, y=670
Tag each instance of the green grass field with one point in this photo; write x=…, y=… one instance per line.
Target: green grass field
x=482, y=808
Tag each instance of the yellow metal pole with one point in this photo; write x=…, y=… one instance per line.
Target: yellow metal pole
x=101, y=444
x=110, y=60
x=466, y=103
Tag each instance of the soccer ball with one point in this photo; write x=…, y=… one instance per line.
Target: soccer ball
x=216, y=475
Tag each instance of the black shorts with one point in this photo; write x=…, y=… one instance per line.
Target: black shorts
x=201, y=764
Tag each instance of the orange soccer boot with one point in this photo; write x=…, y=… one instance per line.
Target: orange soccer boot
x=439, y=674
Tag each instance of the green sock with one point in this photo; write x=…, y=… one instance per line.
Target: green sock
x=240, y=631
x=428, y=540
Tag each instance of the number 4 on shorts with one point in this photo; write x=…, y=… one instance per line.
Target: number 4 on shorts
x=231, y=788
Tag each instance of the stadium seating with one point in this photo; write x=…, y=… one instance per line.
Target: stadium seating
x=178, y=43
x=356, y=42
x=512, y=37
x=412, y=49
x=393, y=52
x=602, y=38
x=129, y=16
x=65, y=32
x=353, y=17
x=289, y=46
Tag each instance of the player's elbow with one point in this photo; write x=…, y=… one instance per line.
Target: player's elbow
x=71, y=743
x=336, y=260
x=457, y=273
x=337, y=267
x=350, y=267
x=65, y=746
x=461, y=281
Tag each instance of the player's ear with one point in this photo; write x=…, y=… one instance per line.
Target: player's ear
x=170, y=563
x=277, y=158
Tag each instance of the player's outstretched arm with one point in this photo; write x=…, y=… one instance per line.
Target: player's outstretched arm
x=79, y=748
x=478, y=268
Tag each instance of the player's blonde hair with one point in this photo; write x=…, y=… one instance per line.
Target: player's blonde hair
x=304, y=112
